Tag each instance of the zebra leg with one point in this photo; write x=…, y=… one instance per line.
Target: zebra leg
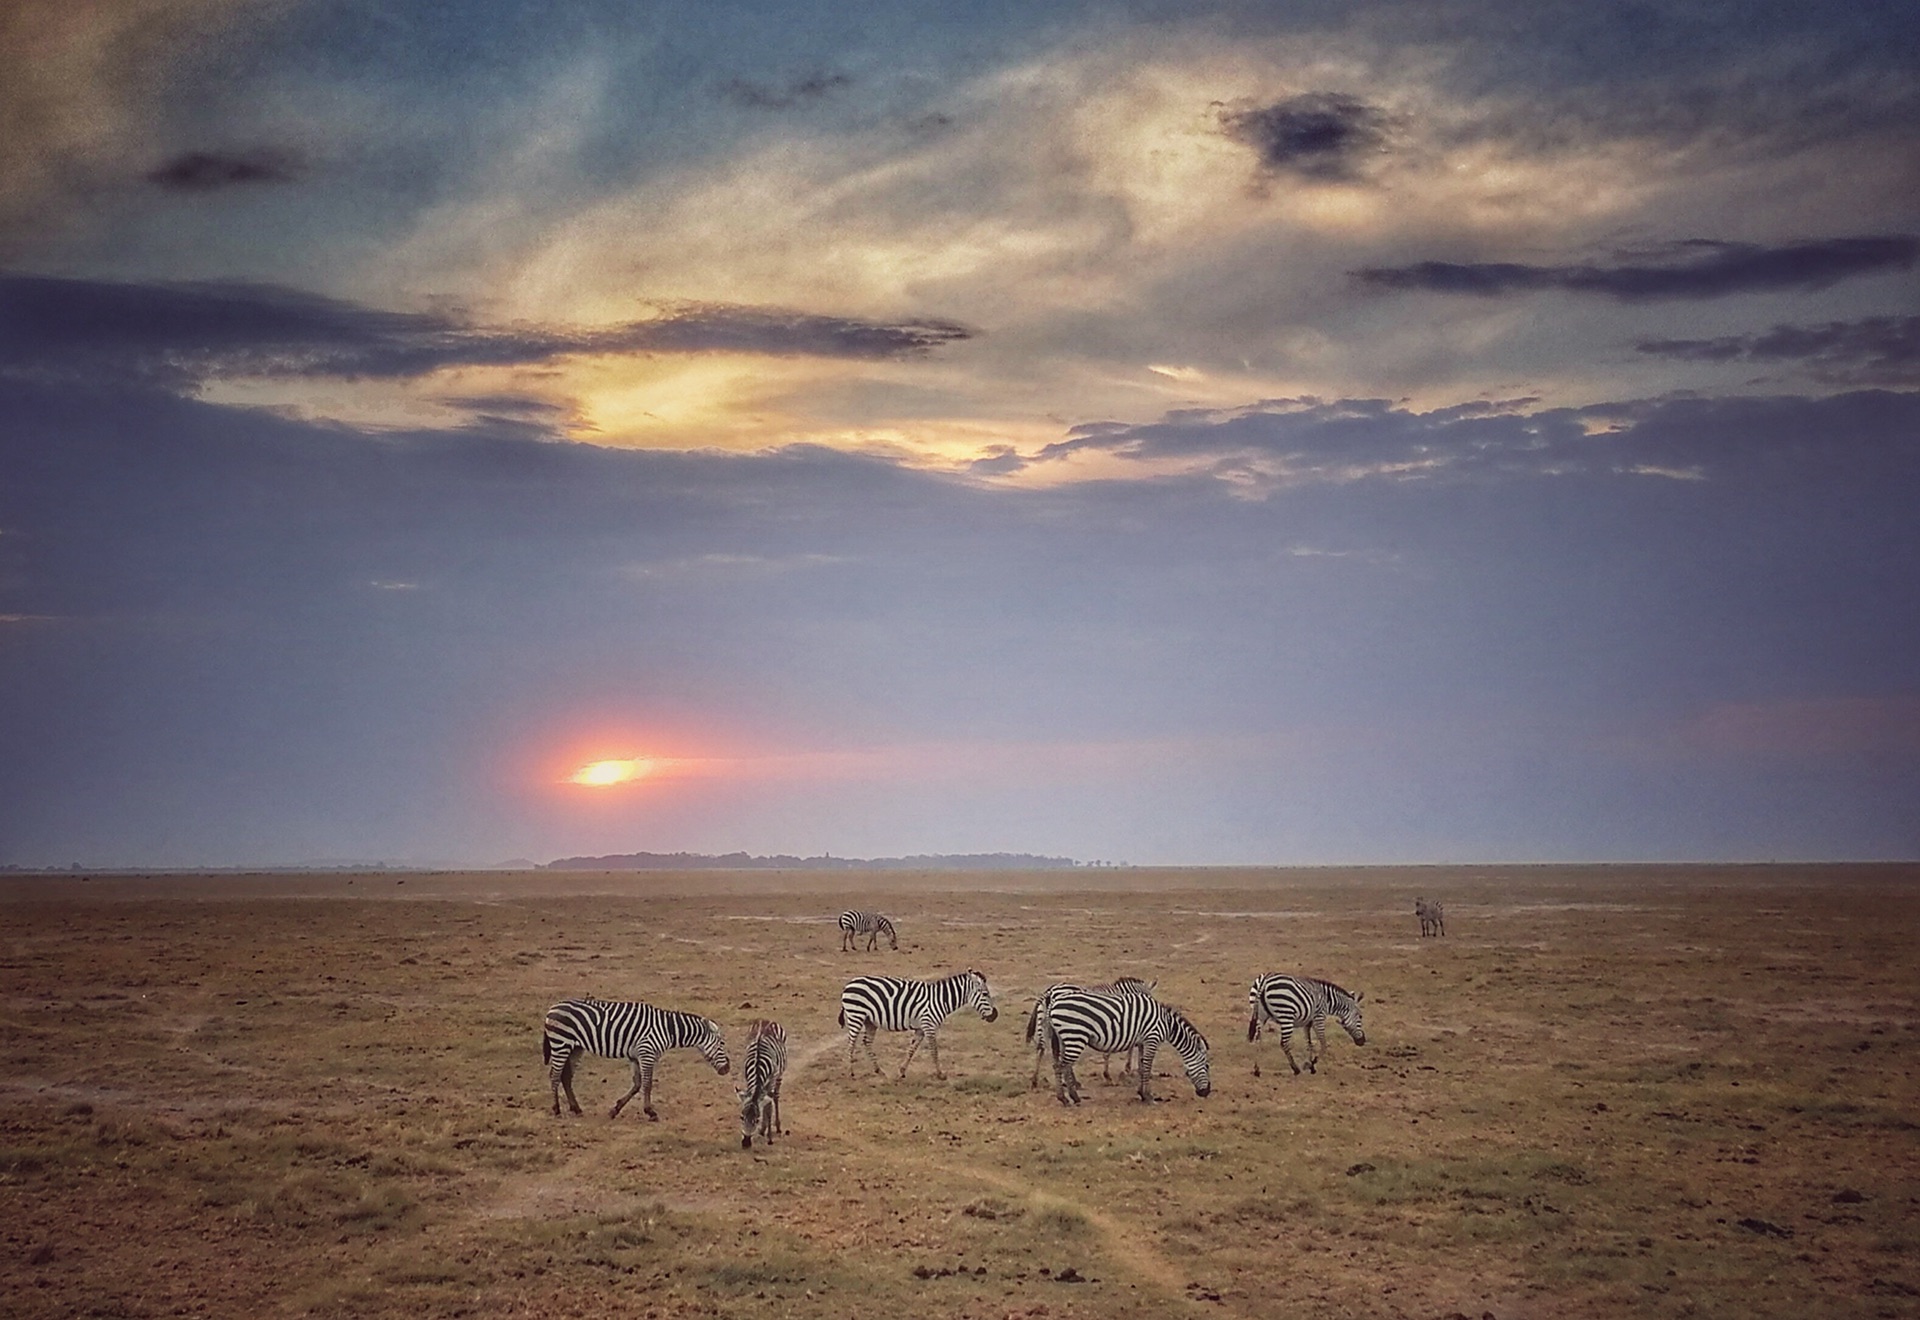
x=777, y=1126
x=1146, y=1073
x=646, y=1095
x=912, y=1049
x=875, y=1058
x=565, y=1079
x=933, y=1043
x=1286, y=1046
x=621, y=1103
x=1067, y=1086
x=1316, y=1043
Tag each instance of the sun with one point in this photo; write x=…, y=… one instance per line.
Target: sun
x=605, y=774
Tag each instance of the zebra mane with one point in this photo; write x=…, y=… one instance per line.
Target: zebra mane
x=1178, y=1021
x=1331, y=986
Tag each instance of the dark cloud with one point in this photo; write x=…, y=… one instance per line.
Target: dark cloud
x=1295, y=443
x=174, y=333
x=1698, y=268
x=804, y=90
x=1321, y=135
x=208, y=171
x=1877, y=350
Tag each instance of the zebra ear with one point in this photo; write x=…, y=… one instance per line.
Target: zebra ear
x=1359, y=994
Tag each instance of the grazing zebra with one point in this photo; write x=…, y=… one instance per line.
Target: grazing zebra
x=870, y=924
x=639, y=1032
x=1433, y=917
x=764, y=1064
x=1079, y=1020
x=871, y=1002
x=1037, y=1019
x=1291, y=1000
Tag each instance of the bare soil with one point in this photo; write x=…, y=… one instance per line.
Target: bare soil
x=1618, y=1091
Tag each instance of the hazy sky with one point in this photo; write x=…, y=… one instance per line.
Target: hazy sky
x=1446, y=430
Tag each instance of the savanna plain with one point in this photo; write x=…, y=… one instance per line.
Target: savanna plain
x=1652, y=1091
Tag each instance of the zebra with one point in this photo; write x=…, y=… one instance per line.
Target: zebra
x=1433, y=917
x=897, y=1004
x=638, y=1032
x=1037, y=1020
x=870, y=924
x=762, y=1067
x=1292, y=1000
x=1079, y=1020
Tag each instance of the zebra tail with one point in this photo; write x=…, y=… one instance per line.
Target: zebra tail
x=546, y=1049
x=1033, y=1021
x=1253, y=1027
x=843, y=1019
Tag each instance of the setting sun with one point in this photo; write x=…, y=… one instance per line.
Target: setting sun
x=603, y=774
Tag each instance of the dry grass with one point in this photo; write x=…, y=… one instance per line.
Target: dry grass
x=1614, y=1091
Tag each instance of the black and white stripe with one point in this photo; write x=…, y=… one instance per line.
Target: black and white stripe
x=871, y=924
x=638, y=1032
x=1433, y=917
x=1292, y=1000
x=1079, y=1020
x=891, y=1003
x=1037, y=1020
x=761, y=1069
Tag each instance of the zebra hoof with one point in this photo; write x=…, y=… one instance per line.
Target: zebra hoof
x=651, y=1116
x=746, y=1143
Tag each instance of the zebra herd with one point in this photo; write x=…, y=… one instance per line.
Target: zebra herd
x=1122, y=1016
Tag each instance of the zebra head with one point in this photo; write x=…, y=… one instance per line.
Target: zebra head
x=886, y=928
x=1346, y=1007
x=1186, y=1038
x=978, y=996
x=753, y=1100
x=707, y=1040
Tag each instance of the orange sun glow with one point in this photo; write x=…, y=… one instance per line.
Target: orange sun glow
x=604, y=774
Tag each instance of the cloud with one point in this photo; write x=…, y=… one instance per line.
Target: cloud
x=1877, y=350
x=1320, y=135
x=801, y=91
x=175, y=333
x=209, y=171
x=1698, y=268
x=1284, y=444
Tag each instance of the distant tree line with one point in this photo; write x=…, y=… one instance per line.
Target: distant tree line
x=740, y=861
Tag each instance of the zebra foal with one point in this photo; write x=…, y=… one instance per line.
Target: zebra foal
x=1292, y=1000
x=639, y=1033
x=1037, y=1019
x=1433, y=917
x=892, y=1003
x=1079, y=1020
x=871, y=924
x=761, y=1068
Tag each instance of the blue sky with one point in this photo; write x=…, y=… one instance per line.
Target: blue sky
x=1177, y=434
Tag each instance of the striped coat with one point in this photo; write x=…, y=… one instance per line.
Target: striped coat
x=890, y=1003
x=871, y=924
x=1037, y=1019
x=639, y=1033
x=761, y=1069
x=1292, y=1000
x=1079, y=1020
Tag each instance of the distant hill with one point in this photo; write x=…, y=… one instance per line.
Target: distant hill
x=739, y=861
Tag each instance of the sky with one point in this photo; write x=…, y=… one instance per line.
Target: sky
x=1200, y=433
